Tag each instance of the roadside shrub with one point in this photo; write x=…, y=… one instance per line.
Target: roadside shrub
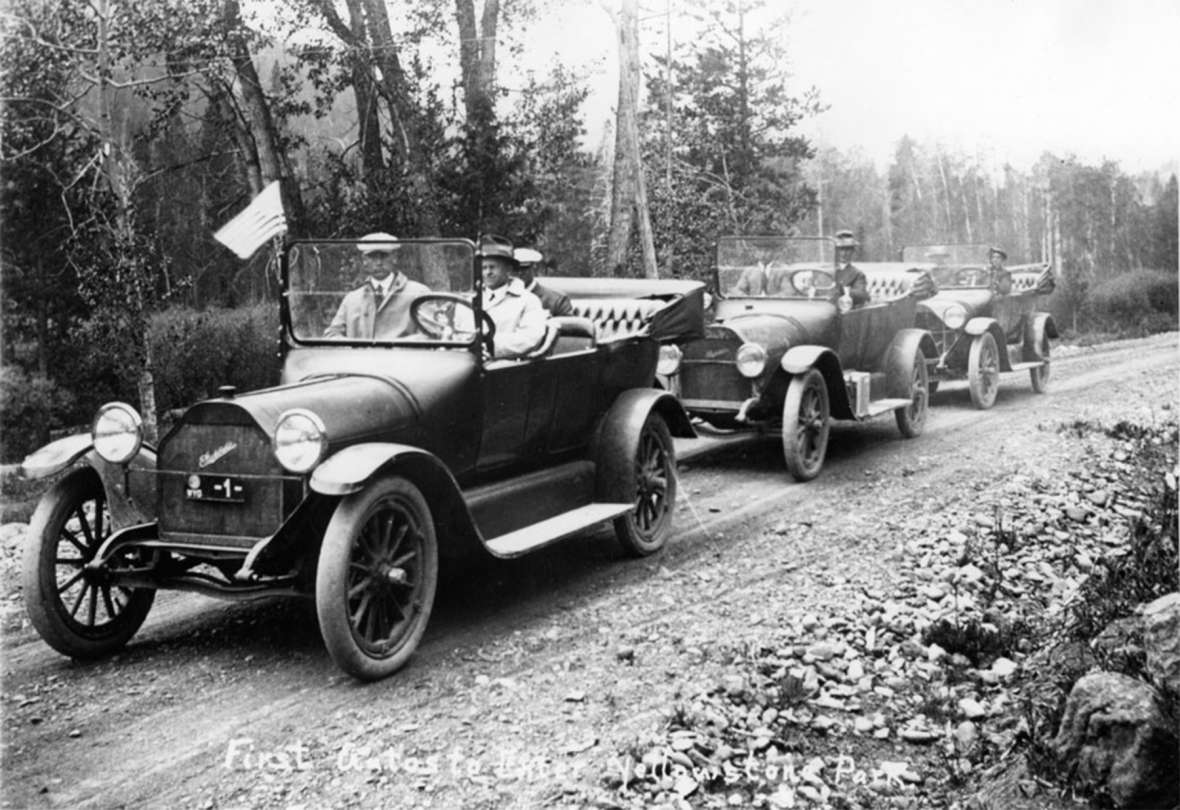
x=197, y=351
x=30, y=406
x=1139, y=302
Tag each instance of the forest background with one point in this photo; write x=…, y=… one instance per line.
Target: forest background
x=131, y=132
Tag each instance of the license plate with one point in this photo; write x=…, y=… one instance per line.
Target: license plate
x=219, y=488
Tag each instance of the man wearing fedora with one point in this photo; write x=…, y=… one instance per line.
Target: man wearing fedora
x=1001, y=279
x=380, y=308
x=527, y=262
x=518, y=314
x=850, y=281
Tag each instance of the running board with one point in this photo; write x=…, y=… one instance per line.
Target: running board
x=538, y=535
x=880, y=406
x=1028, y=365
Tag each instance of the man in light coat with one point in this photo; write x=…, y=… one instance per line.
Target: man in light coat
x=518, y=315
x=380, y=308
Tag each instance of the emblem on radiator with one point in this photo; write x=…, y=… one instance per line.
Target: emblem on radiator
x=213, y=455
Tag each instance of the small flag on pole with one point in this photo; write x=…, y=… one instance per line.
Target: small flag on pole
x=262, y=220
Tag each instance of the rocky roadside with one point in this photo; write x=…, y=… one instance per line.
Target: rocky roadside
x=920, y=695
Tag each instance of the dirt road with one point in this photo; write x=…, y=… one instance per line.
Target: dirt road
x=534, y=673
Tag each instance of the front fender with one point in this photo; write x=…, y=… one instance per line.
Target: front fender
x=55, y=456
x=800, y=359
x=130, y=488
x=348, y=470
x=617, y=438
x=977, y=326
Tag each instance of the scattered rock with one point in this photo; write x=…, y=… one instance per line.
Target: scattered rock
x=1161, y=641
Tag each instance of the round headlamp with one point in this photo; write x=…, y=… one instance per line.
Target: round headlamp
x=751, y=359
x=300, y=440
x=954, y=316
x=117, y=432
x=669, y=362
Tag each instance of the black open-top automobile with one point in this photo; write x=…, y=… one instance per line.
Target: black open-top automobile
x=981, y=333
x=781, y=353
x=372, y=462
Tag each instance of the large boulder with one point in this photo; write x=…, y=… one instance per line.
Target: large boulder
x=1161, y=641
x=1115, y=739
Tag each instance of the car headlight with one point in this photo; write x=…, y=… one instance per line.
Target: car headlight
x=300, y=440
x=117, y=432
x=669, y=362
x=954, y=316
x=751, y=359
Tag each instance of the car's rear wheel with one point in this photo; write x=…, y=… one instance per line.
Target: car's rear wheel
x=376, y=578
x=645, y=529
x=806, y=425
x=1040, y=374
x=983, y=371
x=912, y=418
x=75, y=610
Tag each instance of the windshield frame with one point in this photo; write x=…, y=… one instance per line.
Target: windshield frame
x=286, y=319
x=765, y=243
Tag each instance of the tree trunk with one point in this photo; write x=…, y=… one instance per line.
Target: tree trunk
x=262, y=129
x=629, y=197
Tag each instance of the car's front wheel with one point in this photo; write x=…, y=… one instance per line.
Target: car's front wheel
x=983, y=371
x=376, y=578
x=912, y=418
x=806, y=425
x=645, y=529
x=77, y=611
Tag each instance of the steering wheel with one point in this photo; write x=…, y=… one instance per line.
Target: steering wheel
x=813, y=283
x=446, y=316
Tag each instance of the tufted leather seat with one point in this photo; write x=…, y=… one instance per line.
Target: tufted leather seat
x=889, y=285
x=615, y=318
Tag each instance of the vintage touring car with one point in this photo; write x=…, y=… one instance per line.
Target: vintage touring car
x=981, y=333
x=780, y=353
x=373, y=461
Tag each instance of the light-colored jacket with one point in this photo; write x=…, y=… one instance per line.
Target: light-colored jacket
x=519, y=317
x=362, y=317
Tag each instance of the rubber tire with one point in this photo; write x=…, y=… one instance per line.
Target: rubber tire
x=1040, y=376
x=804, y=388
x=645, y=529
x=983, y=394
x=911, y=421
x=332, y=585
x=47, y=611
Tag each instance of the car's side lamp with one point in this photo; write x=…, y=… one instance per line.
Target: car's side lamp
x=669, y=362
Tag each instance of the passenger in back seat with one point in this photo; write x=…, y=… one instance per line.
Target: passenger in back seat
x=527, y=262
x=850, y=281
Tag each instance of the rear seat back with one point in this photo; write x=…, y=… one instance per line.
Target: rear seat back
x=892, y=284
x=616, y=318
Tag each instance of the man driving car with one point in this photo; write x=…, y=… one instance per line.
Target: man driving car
x=518, y=315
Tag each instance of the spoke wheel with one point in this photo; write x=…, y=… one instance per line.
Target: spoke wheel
x=983, y=371
x=911, y=419
x=806, y=425
x=645, y=529
x=76, y=611
x=1040, y=375
x=376, y=578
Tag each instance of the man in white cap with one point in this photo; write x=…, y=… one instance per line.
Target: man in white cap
x=527, y=262
x=380, y=308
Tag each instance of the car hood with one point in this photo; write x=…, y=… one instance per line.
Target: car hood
x=973, y=299
x=781, y=324
x=360, y=394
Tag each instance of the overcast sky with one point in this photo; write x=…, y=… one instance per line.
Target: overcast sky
x=1006, y=80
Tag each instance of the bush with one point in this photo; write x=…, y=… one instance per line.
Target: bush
x=1139, y=302
x=30, y=406
x=197, y=351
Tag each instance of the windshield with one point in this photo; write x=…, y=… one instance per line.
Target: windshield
x=363, y=292
x=765, y=265
x=955, y=266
